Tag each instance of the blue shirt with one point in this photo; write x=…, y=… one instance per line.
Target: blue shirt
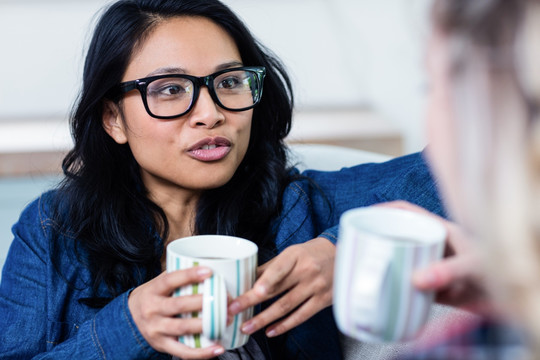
x=41, y=316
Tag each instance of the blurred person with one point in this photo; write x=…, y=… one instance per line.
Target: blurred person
x=483, y=119
x=174, y=136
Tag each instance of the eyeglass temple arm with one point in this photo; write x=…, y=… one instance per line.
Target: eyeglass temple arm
x=127, y=87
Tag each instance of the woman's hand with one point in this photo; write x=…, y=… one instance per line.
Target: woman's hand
x=303, y=275
x=155, y=312
x=457, y=278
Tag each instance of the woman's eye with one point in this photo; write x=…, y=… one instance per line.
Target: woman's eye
x=172, y=90
x=168, y=89
x=230, y=83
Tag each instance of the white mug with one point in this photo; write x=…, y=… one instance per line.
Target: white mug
x=233, y=261
x=378, y=250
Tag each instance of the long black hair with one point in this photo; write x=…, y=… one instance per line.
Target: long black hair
x=103, y=202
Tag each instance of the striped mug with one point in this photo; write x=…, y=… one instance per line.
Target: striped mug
x=234, y=263
x=377, y=252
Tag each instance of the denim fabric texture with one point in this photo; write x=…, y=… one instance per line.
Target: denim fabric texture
x=42, y=318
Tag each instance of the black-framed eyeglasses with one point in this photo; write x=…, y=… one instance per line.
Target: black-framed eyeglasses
x=173, y=95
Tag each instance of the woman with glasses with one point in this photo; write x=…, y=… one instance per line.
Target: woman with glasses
x=174, y=136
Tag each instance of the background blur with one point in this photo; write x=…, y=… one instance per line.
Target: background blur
x=356, y=66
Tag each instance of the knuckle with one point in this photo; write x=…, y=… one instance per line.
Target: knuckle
x=327, y=298
x=271, y=288
x=152, y=333
x=167, y=281
x=321, y=284
x=181, y=328
x=292, y=250
x=179, y=305
x=311, y=266
x=246, y=301
x=318, y=286
x=147, y=312
x=284, y=305
x=294, y=319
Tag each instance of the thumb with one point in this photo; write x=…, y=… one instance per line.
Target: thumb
x=444, y=273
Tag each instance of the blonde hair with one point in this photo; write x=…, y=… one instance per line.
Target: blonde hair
x=495, y=80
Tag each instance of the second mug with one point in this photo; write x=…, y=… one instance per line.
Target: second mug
x=378, y=250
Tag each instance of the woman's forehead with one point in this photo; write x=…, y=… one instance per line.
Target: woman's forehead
x=195, y=44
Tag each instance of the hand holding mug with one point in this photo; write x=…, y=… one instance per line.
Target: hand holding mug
x=233, y=261
x=457, y=278
x=301, y=276
x=155, y=313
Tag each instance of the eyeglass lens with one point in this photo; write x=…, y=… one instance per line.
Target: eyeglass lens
x=171, y=96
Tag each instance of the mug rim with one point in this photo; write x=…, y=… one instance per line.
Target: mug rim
x=434, y=234
x=247, y=249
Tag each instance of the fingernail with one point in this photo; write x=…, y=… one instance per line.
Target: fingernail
x=234, y=307
x=203, y=271
x=271, y=333
x=219, y=351
x=248, y=328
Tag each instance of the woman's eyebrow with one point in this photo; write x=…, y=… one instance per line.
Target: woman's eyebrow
x=228, y=65
x=167, y=70
x=178, y=70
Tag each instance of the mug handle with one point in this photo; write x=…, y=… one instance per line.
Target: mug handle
x=372, y=286
x=214, y=310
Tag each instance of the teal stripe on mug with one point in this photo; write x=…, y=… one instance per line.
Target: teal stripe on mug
x=212, y=310
x=412, y=310
x=408, y=264
x=403, y=277
x=422, y=299
x=219, y=312
x=216, y=314
x=177, y=267
x=237, y=316
x=195, y=314
x=395, y=292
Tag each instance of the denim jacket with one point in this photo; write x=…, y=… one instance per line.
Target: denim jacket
x=41, y=317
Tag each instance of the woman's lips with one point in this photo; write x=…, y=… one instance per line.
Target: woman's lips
x=210, y=149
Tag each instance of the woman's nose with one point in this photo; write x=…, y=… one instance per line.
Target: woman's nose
x=205, y=112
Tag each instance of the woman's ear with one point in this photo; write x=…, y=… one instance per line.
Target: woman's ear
x=113, y=123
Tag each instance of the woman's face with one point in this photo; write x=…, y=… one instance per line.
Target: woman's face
x=442, y=150
x=179, y=154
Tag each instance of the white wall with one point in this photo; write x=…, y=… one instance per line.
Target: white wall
x=41, y=44
x=350, y=53
x=340, y=53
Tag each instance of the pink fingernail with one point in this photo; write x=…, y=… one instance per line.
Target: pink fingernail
x=219, y=351
x=234, y=308
x=271, y=333
x=248, y=328
x=203, y=271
